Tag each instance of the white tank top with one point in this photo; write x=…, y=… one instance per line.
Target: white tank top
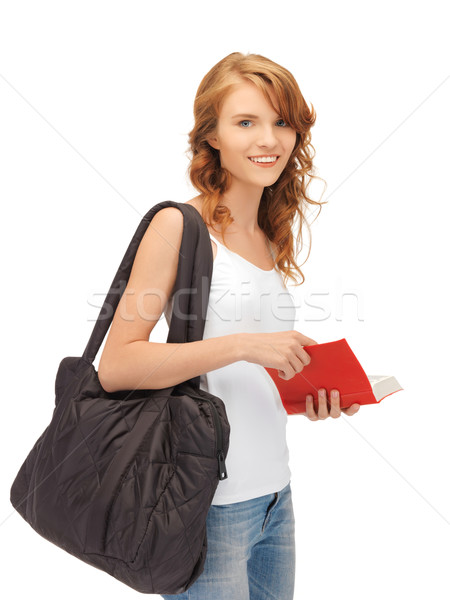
x=245, y=298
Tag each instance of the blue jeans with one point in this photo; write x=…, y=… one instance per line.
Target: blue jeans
x=251, y=551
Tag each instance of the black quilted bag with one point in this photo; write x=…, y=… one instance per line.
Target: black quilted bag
x=124, y=480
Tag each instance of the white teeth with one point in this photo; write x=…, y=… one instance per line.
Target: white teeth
x=264, y=159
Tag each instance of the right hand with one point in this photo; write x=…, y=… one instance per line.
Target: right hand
x=282, y=350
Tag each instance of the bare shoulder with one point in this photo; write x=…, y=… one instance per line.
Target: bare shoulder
x=167, y=216
x=159, y=248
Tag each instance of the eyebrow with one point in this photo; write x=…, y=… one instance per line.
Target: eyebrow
x=245, y=115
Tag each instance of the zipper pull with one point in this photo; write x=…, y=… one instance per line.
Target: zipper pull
x=222, y=468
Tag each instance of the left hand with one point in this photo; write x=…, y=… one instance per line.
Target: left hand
x=335, y=409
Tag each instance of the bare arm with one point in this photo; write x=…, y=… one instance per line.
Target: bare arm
x=153, y=365
x=129, y=360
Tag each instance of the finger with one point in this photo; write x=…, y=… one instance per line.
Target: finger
x=299, y=360
x=310, y=413
x=305, y=340
x=304, y=356
x=323, y=407
x=335, y=410
x=351, y=410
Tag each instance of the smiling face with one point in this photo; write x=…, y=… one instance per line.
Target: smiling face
x=248, y=128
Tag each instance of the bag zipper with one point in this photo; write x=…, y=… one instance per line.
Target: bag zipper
x=219, y=438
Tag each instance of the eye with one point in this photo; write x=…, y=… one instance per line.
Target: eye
x=246, y=121
x=283, y=121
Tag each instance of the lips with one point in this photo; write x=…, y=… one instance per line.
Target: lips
x=264, y=164
x=276, y=156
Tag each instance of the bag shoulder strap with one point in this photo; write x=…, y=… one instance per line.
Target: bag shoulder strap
x=191, y=288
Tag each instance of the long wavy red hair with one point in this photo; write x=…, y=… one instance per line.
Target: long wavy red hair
x=285, y=201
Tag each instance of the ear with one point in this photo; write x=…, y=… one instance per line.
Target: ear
x=213, y=142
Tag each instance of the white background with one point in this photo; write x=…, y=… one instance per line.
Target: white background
x=96, y=103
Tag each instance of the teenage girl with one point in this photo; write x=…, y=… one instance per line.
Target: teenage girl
x=251, y=155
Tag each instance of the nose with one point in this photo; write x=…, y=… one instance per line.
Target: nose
x=267, y=137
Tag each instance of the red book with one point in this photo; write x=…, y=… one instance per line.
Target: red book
x=333, y=366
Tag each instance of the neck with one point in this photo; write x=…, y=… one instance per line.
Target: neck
x=243, y=202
